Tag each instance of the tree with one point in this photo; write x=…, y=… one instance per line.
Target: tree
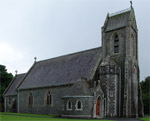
x=145, y=85
x=5, y=79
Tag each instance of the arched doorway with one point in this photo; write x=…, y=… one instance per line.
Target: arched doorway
x=98, y=106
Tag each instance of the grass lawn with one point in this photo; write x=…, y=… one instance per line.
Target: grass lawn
x=145, y=119
x=25, y=117
x=25, y=114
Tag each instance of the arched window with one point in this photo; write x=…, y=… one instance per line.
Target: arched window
x=133, y=45
x=79, y=105
x=9, y=101
x=116, y=44
x=30, y=99
x=69, y=105
x=48, y=99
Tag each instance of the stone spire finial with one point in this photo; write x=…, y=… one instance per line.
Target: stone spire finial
x=16, y=72
x=35, y=59
x=131, y=3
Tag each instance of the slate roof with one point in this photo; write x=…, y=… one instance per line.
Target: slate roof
x=62, y=70
x=80, y=88
x=12, y=88
x=118, y=20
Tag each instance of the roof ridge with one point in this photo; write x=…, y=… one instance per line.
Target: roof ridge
x=120, y=12
x=21, y=74
x=9, y=85
x=7, y=92
x=68, y=54
x=26, y=75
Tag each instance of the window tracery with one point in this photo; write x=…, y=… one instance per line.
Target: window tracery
x=30, y=99
x=79, y=105
x=48, y=98
x=116, y=44
x=69, y=105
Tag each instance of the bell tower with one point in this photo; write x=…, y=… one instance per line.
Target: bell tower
x=120, y=43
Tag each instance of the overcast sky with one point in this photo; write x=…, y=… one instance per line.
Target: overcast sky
x=51, y=28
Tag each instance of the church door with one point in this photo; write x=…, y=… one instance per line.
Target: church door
x=98, y=106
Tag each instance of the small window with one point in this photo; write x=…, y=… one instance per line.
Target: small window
x=104, y=106
x=135, y=70
x=79, y=105
x=9, y=101
x=111, y=94
x=69, y=105
x=103, y=69
x=48, y=100
x=133, y=46
x=116, y=44
x=95, y=83
x=30, y=99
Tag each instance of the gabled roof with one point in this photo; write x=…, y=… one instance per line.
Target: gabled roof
x=117, y=20
x=108, y=62
x=62, y=70
x=97, y=90
x=80, y=88
x=12, y=88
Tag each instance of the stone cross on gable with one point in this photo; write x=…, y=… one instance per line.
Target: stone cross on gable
x=35, y=59
x=16, y=72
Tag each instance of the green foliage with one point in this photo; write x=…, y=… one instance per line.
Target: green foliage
x=5, y=79
x=145, y=85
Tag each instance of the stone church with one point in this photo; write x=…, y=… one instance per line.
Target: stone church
x=100, y=82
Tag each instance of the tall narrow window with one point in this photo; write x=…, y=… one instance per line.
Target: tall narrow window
x=30, y=99
x=69, y=105
x=111, y=94
x=9, y=101
x=104, y=106
x=133, y=45
x=48, y=101
x=79, y=105
x=116, y=44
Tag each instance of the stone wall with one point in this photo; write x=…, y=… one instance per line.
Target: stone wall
x=108, y=49
x=10, y=103
x=39, y=97
x=128, y=48
x=110, y=86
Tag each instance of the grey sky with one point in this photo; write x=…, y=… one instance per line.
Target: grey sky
x=50, y=28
